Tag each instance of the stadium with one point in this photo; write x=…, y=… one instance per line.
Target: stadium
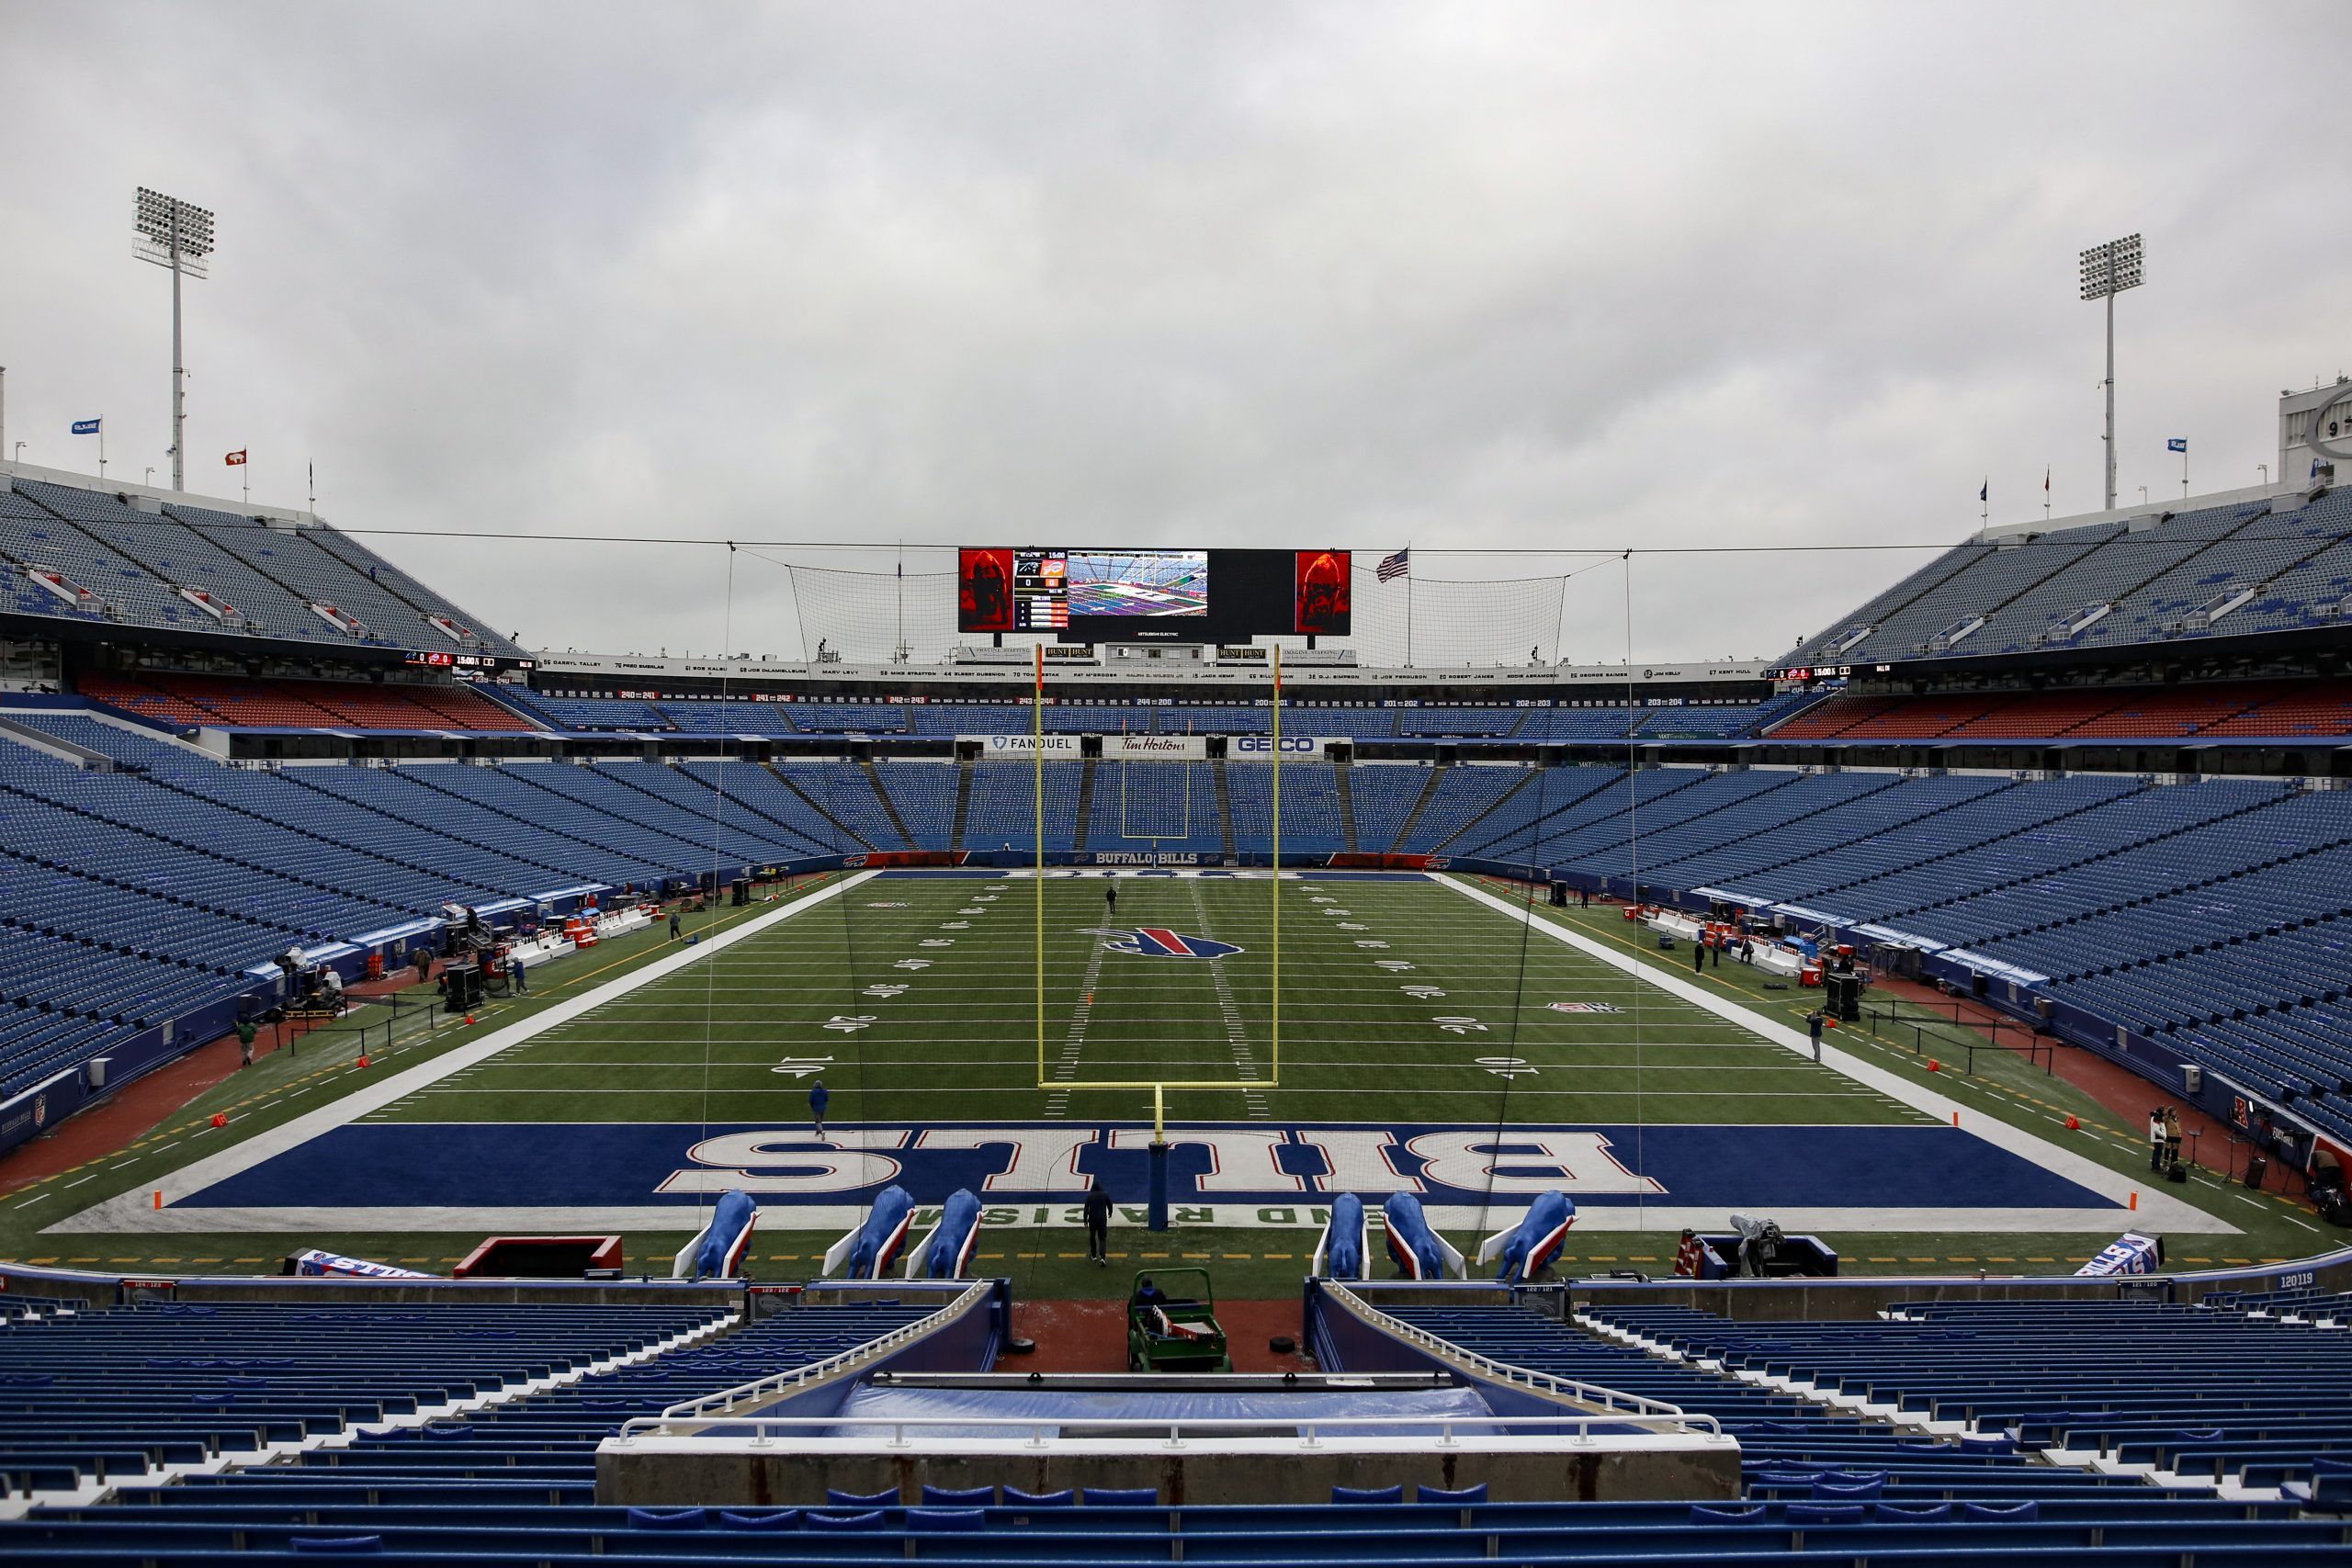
x=1150, y=1048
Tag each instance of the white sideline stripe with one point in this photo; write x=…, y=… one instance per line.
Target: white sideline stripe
x=828, y=1221
x=243, y=1156
x=2157, y=1211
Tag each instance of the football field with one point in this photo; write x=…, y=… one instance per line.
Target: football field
x=1433, y=1035
x=916, y=999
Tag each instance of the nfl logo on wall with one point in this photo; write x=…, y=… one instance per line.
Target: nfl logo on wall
x=1153, y=941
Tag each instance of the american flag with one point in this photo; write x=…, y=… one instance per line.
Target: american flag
x=1394, y=566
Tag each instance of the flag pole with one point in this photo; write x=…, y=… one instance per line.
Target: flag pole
x=1409, y=604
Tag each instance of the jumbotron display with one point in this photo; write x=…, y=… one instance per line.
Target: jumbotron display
x=1156, y=596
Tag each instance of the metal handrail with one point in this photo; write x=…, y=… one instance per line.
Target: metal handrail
x=1503, y=1371
x=1041, y=1430
x=801, y=1377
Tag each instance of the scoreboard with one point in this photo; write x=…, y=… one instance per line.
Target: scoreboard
x=1152, y=596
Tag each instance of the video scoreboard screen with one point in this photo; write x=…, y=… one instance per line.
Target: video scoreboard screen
x=1097, y=595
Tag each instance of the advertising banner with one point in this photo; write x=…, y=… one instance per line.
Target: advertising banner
x=1262, y=747
x=1154, y=748
x=1024, y=746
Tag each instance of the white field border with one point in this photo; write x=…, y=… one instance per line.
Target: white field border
x=2158, y=1210
x=135, y=1211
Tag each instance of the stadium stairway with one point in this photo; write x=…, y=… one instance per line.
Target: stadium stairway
x=889, y=807
x=1340, y=770
x=1440, y=829
x=1223, y=804
x=963, y=803
x=1087, y=769
x=841, y=833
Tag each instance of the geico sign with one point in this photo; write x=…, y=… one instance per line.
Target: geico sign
x=1267, y=746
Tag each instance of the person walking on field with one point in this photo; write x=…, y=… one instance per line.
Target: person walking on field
x=246, y=1032
x=2172, y=1136
x=673, y=925
x=521, y=988
x=1111, y=900
x=819, y=1097
x=2156, y=1139
x=1813, y=1021
x=1698, y=956
x=1098, y=1224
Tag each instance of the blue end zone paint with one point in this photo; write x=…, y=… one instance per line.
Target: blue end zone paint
x=615, y=1164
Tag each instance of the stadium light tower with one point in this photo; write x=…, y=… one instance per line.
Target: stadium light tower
x=172, y=233
x=2107, y=271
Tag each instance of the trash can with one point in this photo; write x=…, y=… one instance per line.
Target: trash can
x=2255, y=1169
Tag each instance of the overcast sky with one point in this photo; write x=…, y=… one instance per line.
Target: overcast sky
x=1466, y=276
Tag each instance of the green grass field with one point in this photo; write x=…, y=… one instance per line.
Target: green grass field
x=957, y=1038
x=917, y=999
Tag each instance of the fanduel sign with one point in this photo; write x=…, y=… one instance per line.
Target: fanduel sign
x=1025, y=745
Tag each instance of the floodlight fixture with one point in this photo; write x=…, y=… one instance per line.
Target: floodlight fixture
x=2107, y=271
x=176, y=235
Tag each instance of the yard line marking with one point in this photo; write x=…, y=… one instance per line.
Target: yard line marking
x=1245, y=1060
x=2156, y=1209
x=1074, y=1040
x=388, y=1091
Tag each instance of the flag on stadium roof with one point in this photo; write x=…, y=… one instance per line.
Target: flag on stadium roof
x=86, y=426
x=1395, y=566
x=236, y=459
x=2177, y=444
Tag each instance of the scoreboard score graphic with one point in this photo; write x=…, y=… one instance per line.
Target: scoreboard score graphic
x=1103, y=595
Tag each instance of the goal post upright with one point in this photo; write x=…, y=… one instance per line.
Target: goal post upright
x=1275, y=879
x=1037, y=762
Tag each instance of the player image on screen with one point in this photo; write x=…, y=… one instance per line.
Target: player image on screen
x=984, y=591
x=1138, y=582
x=1321, y=607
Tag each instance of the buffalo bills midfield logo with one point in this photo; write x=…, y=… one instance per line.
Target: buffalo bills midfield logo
x=1155, y=942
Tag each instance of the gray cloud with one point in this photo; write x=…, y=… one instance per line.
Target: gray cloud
x=1498, y=276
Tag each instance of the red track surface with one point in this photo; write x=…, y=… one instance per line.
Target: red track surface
x=2121, y=1092
x=130, y=1113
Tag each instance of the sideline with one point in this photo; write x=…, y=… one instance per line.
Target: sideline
x=135, y=1211
x=2158, y=1210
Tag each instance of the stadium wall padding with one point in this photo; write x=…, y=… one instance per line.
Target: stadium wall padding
x=970, y=1342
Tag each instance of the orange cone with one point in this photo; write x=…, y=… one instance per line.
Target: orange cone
x=220, y=1119
x=159, y=1197
x=2074, y=1123
x=1934, y=1066
x=361, y=1063
x=469, y=1018
x=2135, y=1202
x=1955, y=1118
